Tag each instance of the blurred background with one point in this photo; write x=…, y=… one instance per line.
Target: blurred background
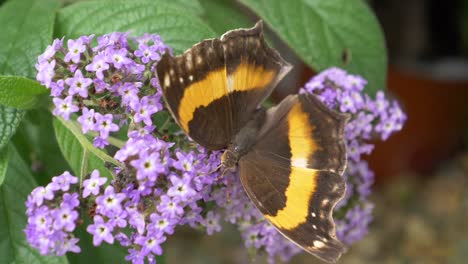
x=421, y=189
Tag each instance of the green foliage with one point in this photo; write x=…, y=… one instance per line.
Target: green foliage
x=4, y=158
x=13, y=193
x=45, y=156
x=224, y=15
x=26, y=31
x=82, y=156
x=342, y=33
x=22, y=39
x=10, y=119
x=20, y=92
x=179, y=27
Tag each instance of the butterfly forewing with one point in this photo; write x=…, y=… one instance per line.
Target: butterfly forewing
x=214, y=88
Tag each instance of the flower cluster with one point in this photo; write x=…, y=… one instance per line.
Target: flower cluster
x=163, y=182
x=106, y=83
x=52, y=215
x=370, y=118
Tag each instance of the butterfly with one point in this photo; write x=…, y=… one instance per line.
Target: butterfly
x=290, y=157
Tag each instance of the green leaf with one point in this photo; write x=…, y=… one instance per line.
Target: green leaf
x=10, y=119
x=322, y=32
x=45, y=156
x=26, y=31
x=82, y=156
x=179, y=28
x=20, y=92
x=13, y=194
x=4, y=158
x=190, y=5
x=224, y=15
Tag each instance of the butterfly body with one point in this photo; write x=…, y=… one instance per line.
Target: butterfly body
x=290, y=157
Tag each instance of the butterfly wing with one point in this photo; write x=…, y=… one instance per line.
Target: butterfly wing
x=213, y=89
x=293, y=173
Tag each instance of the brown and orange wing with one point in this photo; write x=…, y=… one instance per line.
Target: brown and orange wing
x=293, y=174
x=214, y=88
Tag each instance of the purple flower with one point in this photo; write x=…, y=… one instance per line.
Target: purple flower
x=64, y=107
x=70, y=200
x=98, y=65
x=150, y=244
x=63, y=182
x=93, y=184
x=56, y=88
x=170, y=206
x=69, y=244
x=45, y=72
x=76, y=48
x=100, y=142
x=144, y=111
x=104, y=124
x=101, y=231
x=147, y=53
x=119, y=58
x=78, y=84
x=181, y=187
x=147, y=165
x=40, y=193
x=161, y=224
x=50, y=50
x=65, y=218
x=212, y=223
x=86, y=120
x=110, y=202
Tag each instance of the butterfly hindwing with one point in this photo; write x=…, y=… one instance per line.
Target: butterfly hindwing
x=214, y=88
x=289, y=178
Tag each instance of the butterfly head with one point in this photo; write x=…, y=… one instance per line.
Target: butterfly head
x=230, y=157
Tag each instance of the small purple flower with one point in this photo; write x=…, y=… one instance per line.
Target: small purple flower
x=64, y=107
x=147, y=53
x=170, y=206
x=162, y=224
x=69, y=244
x=87, y=120
x=110, y=202
x=181, y=187
x=40, y=193
x=93, y=184
x=101, y=231
x=65, y=218
x=75, y=49
x=56, y=88
x=70, y=200
x=100, y=142
x=144, y=110
x=63, y=182
x=98, y=65
x=150, y=243
x=78, y=84
x=212, y=223
x=45, y=72
x=105, y=125
x=147, y=166
x=119, y=58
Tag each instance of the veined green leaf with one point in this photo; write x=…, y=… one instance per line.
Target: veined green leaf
x=20, y=92
x=10, y=119
x=179, y=28
x=326, y=33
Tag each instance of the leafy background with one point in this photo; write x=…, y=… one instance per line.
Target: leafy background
x=35, y=146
